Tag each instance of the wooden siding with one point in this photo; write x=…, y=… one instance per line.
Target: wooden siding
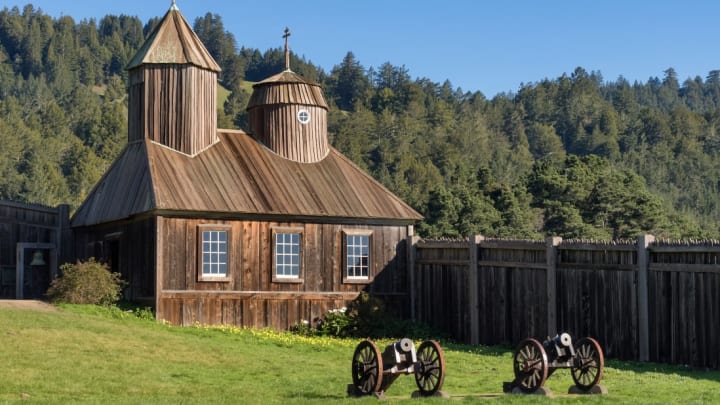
x=250, y=297
x=174, y=42
x=174, y=105
x=129, y=248
x=273, y=109
x=279, y=129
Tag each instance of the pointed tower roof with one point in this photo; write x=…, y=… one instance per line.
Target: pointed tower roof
x=174, y=42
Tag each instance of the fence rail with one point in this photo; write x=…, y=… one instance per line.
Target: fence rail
x=643, y=300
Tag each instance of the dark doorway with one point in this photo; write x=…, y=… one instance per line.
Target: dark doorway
x=36, y=279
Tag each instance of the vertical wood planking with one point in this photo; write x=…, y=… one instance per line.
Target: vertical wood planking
x=251, y=264
x=174, y=105
x=597, y=295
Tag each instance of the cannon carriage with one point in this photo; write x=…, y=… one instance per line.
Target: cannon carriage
x=534, y=362
x=373, y=372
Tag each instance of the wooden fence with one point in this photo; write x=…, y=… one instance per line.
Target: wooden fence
x=31, y=248
x=642, y=300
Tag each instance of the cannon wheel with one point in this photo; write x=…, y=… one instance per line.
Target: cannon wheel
x=430, y=370
x=367, y=368
x=530, y=365
x=590, y=360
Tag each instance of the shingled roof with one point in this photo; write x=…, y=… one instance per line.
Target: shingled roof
x=174, y=42
x=286, y=87
x=236, y=178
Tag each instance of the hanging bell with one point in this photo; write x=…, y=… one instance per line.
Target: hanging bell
x=38, y=259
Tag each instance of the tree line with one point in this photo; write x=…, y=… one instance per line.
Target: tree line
x=575, y=156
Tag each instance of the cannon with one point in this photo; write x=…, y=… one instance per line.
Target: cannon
x=373, y=372
x=534, y=362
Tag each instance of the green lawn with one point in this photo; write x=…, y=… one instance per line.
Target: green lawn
x=88, y=355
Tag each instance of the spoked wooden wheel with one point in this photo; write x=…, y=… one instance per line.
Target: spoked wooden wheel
x=367, y=368
x=589, y=363
x=530, y=365
x=430, y=370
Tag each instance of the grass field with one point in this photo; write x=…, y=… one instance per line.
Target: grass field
x=85, y=354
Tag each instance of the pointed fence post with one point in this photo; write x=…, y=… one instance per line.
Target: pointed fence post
x=643, y=264
x=63, y=240
x=551, y=245
x=472, y=299
x=412, y=241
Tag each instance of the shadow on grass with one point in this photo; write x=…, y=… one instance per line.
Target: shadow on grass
x=623, y=365
x=315, y=396
x=680, y=370
x=498, y=351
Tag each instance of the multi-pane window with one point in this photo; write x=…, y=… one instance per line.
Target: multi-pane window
x=287, y=255
x=357, y=256
x=214, y=253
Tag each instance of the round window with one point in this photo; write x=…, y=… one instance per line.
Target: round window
x=303, y=116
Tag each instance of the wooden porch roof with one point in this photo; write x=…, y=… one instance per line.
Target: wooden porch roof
x=237, y=176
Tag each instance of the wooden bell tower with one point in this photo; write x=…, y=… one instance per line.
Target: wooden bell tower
x=173, y=81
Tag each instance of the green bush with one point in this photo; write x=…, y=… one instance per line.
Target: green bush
x=88, y=282
x=365, y=317
x=335, y=323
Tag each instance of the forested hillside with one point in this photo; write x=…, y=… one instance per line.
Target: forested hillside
x=576, y=156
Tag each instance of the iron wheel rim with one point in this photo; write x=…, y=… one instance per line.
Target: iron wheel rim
x=592, y=362
x=367, y=368
x=430, y=373
x=530, y=364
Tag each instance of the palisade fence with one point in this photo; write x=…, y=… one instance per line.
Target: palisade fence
x=642, y=300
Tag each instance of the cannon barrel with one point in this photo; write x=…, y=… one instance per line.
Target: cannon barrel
x=400, y=354
x=404, y=345
x=564, y=339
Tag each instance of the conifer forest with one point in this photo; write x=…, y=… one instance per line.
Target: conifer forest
x=578, y=156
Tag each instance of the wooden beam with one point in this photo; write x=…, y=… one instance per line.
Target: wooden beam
x=643, y=258
x=260, y=295
x=551, y=246
x=473, y=305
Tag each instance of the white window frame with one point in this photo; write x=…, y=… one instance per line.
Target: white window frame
x=276, y=244
x=353, y=252
x=216, y=251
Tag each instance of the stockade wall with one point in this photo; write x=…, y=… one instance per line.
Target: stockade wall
x=24, y=230
x=642, y=300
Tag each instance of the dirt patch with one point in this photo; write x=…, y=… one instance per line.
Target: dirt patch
x=27, y=304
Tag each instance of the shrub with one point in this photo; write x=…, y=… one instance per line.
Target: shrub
x=335, y=323
x=88, y=282
x=365, y=317
x=303, y=329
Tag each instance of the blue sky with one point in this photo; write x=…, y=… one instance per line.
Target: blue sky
x=490, y=46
